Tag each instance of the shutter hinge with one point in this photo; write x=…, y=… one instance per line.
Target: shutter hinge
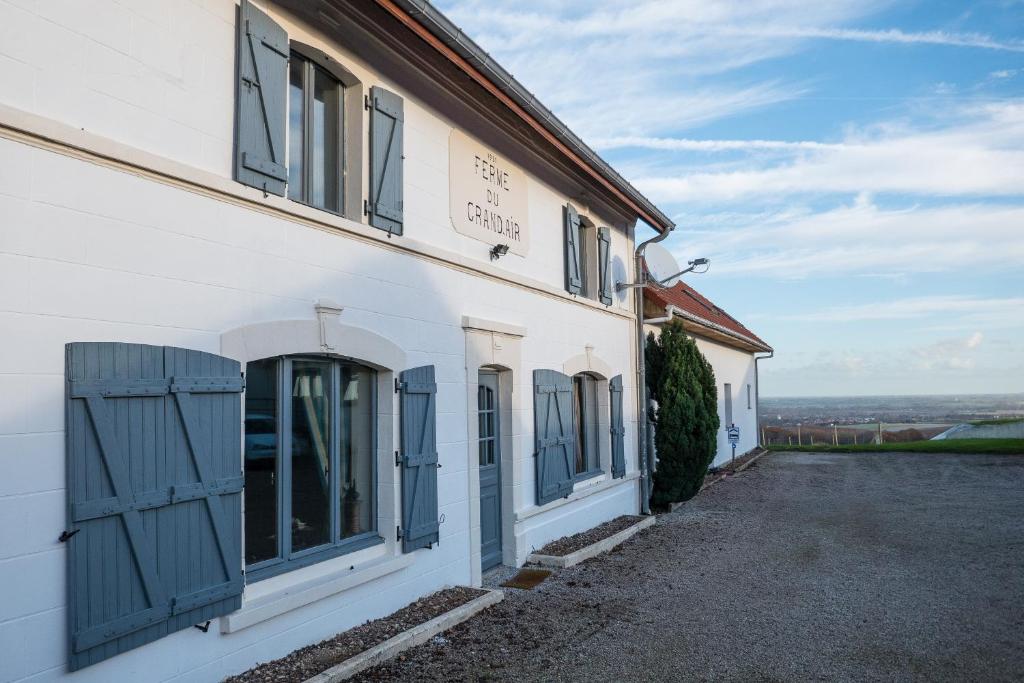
x=66, y=535
x=398, y=459
x=398, y=385
x=366, y=207
x=366, y=102
x=398, y=533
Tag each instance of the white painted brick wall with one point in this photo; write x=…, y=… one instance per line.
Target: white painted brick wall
x=131, y=271
x=160, y=77
x=90, y=253
x=736, y=368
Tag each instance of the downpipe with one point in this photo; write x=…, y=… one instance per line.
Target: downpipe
x=757, y=396
x=644, y=454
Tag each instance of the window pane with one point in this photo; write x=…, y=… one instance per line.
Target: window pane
x=310, y=441
x=261, y=542
x=577, y=409
x=326, y=131
x=357, y=450
x=590, y=416
x=296, y=127
x=581, y=241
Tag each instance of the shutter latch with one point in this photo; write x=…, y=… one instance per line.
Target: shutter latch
x=202, y=627
x=66, y=535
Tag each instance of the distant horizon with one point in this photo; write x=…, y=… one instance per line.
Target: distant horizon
x=950, y=395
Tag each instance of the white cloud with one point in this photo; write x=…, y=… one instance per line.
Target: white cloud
x=690, y=145
x=981, y=153
x=976, y=40
x=859, y=238
x=947, y=365
x=920, y=307
x=532, y=22
x=635, y=67
x=642, y=60
x=948, y=354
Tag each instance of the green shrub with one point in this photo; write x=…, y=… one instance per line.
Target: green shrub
x=686, y=425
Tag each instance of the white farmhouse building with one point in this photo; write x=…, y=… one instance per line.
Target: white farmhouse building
x=308, y=309
x=730, y=348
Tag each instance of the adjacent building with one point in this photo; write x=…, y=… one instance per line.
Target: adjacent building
x=728, y=345
x=308, y=310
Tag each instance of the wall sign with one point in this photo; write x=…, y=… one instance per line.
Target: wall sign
x=488, y=195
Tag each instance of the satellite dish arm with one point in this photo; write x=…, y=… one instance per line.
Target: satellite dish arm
x=696, y=263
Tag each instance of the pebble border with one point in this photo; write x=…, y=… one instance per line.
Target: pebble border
x=592, y=550
x=417, y=635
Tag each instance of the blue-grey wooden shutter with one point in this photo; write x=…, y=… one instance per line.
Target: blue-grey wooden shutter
x=604, y=265
x=386, y=123
x=618, y=429
x=420, y=521
x=154, y=480
x=555, y=438
x=573, y=277
x=261, y=101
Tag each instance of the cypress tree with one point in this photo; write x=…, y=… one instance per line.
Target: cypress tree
x=686, y=424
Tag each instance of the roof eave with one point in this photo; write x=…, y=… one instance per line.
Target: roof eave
x=760, y=346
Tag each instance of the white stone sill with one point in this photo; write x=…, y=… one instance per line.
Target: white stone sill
x=266, y=602
x=585, y=490
x=46, y=133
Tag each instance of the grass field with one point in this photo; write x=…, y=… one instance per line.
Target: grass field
x=996, y=446
x=997, y=421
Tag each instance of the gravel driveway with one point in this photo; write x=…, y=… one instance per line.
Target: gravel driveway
x=806, y=566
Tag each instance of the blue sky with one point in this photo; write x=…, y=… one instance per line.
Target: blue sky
x=854, y=169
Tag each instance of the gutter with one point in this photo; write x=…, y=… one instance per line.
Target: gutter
x=671, y=310
x=436, y=29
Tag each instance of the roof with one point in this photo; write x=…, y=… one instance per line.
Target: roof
x=713, y=322
x=475, y=61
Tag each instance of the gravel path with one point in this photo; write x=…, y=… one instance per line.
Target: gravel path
x=803, y=567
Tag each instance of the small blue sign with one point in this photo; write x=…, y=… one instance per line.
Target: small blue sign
x=734, y=434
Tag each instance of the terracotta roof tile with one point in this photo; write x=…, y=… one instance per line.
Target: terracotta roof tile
x=688, y=299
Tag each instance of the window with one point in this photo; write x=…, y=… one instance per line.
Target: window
x=727, y=391
x=586, y=255
x=587, y=461
x=749, y=404
x=488, y=419
x=315, y=139
x=310, y=461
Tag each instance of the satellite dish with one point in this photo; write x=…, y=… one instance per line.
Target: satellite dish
x=661, y=264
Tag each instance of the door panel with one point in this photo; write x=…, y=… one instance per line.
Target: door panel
x=489, y=453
